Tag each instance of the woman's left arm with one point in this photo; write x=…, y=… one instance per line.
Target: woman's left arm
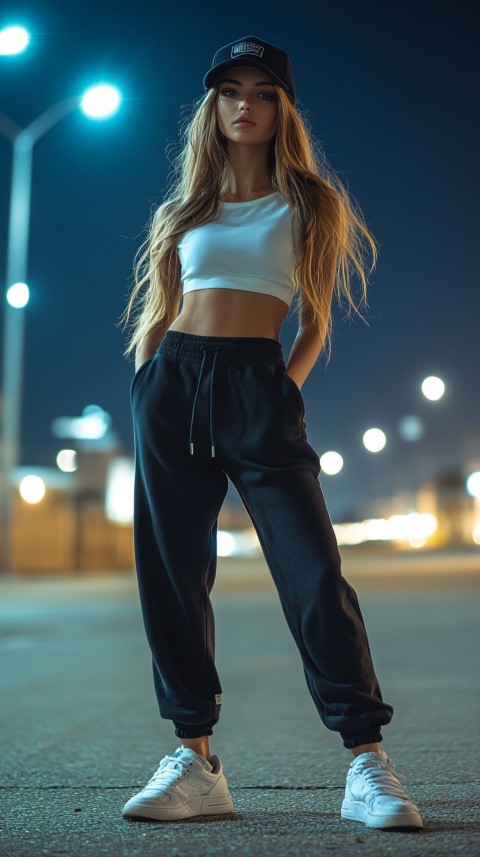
x=305, y=350
x=310, y=338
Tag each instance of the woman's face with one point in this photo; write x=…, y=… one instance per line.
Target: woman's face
x=247, y=93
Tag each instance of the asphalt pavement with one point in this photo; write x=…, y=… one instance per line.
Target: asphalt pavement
x=81, y=732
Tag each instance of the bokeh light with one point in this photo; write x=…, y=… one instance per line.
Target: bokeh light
x=225, y=543
x=473, y=484
x=433, y=388
x=119, y=490
x=411, y=428
x=93, y=424
x=32, y=489
x=67, y=460
x=374, y=439
x=331, y=462
x=413, y=528
x=18, y=295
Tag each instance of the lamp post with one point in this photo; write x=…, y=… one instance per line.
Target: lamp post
x=98, y=102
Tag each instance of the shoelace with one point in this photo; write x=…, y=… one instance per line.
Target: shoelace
x=382, y=777
x=171, y=768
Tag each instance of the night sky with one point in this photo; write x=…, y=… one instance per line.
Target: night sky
x=390, y=88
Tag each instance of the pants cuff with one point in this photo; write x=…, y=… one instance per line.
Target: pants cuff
x=369, y=736
x=185, y=730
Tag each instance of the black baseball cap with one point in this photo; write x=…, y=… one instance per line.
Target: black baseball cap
x=252, y=51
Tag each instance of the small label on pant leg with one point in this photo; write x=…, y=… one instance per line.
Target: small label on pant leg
x=218, y=698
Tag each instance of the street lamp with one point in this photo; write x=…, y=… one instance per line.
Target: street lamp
x=100, y=102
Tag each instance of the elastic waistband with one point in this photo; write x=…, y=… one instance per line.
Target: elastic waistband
x=246, y=349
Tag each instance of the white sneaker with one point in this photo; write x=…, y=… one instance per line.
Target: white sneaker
x=374, y=795
x=185, y=784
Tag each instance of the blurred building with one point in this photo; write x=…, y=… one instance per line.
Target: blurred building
x=69, y=528
x=446, y=498
x=83, y=522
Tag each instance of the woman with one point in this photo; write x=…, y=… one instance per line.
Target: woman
x=252, y=222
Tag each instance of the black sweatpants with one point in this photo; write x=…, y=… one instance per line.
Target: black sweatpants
x=206, y=408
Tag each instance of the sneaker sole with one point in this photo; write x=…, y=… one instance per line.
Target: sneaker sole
x=196, y=807
x=356, y=811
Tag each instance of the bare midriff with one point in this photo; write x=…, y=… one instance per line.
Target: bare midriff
x=230, y=312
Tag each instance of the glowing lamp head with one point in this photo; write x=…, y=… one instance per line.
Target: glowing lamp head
x=13, y=40
x=101, y=101
x=18, y=295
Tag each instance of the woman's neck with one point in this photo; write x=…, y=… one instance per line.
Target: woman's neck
x=248, y=175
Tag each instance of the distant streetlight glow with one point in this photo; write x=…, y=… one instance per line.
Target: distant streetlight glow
x=225, y=543
x=433, y=388
x=238, y=543
x=374, y=439
x=473, y=484
x=101, y=101
x=331, y=462
x=92, y=425
x=67, y=460
x=413, y=528
x=13, y=40
x=119, y=490
x=18, y=295
x=411, y=428
x=32, y=489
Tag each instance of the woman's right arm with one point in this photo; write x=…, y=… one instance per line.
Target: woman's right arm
x=149, y=344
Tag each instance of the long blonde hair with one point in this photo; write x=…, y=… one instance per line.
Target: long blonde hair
x=332, y=226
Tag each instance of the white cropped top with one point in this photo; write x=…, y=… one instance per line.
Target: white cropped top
x=249, y=245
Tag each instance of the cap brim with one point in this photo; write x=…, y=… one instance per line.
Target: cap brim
x=212, y=76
